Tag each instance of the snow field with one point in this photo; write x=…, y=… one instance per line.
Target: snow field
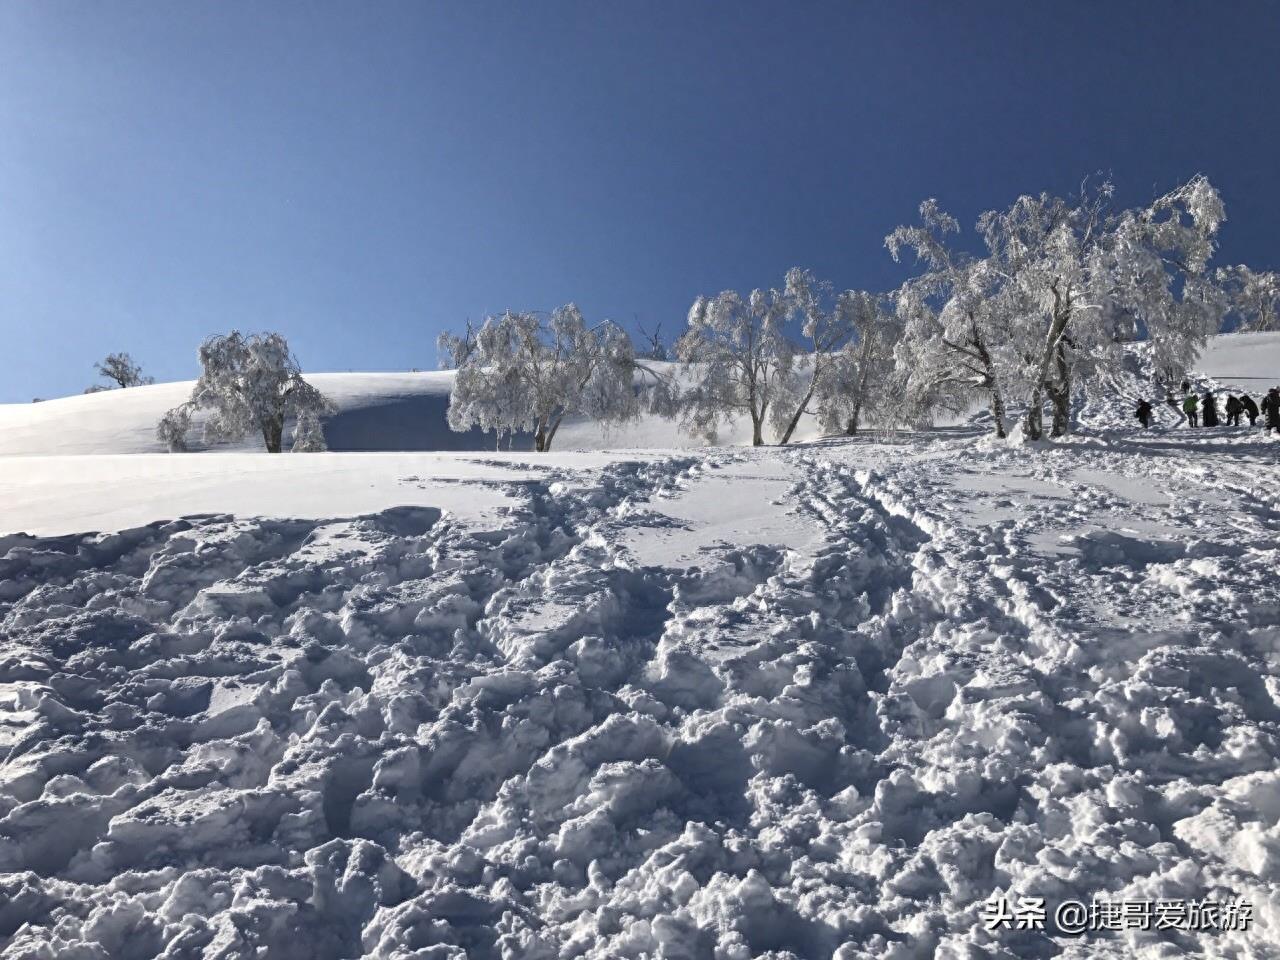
x=605, y=720
x=819, y=701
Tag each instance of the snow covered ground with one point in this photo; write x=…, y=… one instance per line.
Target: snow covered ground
x=823, y=701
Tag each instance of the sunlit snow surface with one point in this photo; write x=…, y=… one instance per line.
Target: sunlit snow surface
x=809, y=702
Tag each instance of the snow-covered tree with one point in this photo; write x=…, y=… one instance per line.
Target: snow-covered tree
x=861, y=382
x=523, y=373
x=849, y=360
x=250, y=383
x=740, y=361
x=122, y=370
x=1254, y=297
x=456, y=350
x=173, y=426
x=1086, y=280
x=956, y=325
x=827, y=325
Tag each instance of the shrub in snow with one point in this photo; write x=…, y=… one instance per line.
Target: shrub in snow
x=250, y=383
x=519, y=372
x=740, y=361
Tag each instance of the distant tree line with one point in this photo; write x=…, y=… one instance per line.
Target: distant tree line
x=1045, y=309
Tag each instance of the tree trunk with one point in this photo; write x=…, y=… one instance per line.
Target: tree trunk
x=1033, y=426
x=273, y=434
x=551, y=434
x=992, y=384
x=795, y=419
x=1060, y=394
x=997, y=409
x=851, y=428
x=757, y=438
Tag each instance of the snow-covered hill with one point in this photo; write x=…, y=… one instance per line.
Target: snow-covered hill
x=376, y=412
x=816, y=702
x=406, y=412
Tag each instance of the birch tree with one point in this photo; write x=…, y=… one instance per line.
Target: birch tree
x=740, y=362
x=522, y=373
x=1091, y=279
x=956, y=322
x=1254, y=297
x=250, y=384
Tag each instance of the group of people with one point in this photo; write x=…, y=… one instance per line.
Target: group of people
x=1203, y=411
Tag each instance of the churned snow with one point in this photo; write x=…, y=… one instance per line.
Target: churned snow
x=820, y=701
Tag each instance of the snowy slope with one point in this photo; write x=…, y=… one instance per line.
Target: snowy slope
x=820, y=702
x=1249, y=361
x=815, y=702
x=376, y=412
x=406, y=412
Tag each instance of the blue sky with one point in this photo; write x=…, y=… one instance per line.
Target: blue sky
x=361, y=175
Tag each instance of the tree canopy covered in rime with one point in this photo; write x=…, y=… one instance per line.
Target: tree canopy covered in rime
x=521, y=372
x=250, y=384
x=1037, y=309
x=1252, y=297
x=1064, y=283
x=740, y=361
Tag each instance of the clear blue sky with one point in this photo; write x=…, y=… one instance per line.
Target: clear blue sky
x=361, y=175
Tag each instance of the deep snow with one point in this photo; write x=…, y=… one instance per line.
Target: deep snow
x=730, y=703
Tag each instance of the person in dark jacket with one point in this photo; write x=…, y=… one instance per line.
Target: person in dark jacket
x=1210, y=410
x=1143, y=413
x=1250, y=409
x=1234, y=409
x=1271, y=407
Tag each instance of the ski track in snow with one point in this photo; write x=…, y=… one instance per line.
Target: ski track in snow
x=972, y=668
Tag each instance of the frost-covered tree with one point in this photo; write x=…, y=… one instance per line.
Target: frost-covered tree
x=827, y=326
x=456, y=350
x=250, y=383
x=861, y=382
x=524, y=373
x=173, y=426
x=956, y=324
x=1086, y=280
x=849, y=358
x=740, y=361
x=1158, y=284
x=122, y=370
x=1254, y=297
